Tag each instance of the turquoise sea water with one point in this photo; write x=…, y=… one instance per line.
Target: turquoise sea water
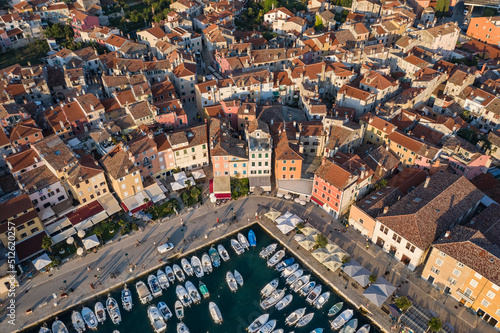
x=238, y=309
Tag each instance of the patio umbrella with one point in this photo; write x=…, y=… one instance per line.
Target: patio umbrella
x=307, y=242
x=79, y=251
x=41, y=261
x=272, y=215
x=352, y=267
x=70, y=240
x=309, y=231
x=90, y=242
x=375, y=295
x=81, y=233
x=332, y=262
x=332, y=248
x=286, y=226
x=385, y=286
x=321, y=254
x=362, y=277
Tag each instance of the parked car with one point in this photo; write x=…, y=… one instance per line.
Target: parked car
x=164, y=248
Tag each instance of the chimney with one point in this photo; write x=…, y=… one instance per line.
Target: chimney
x=427, y=180
x=126, y=170
x=386, y=209
x=447, y=234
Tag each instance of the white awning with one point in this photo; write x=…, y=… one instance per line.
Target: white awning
x=155, y=193
x=198, y=174
x=109, y=203
x=90, y=242
x=41, y=261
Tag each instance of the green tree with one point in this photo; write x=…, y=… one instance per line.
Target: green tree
x=346, y=3
x=185, y=197
x=321, y=241
x=403, y=303
x=187, y=183
x=99, y=231
x=267, y=5
x=442, y=7
x=195, y=192
x=435, y=324
x=318, y=26
x=373, y=278
x=47, y=243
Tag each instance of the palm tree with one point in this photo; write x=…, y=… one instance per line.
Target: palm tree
x=195, y=192
x=98, y=230
x=435, y=324
x=373, y=278
x=47, y=243
x=187, y=183
x=321, y=241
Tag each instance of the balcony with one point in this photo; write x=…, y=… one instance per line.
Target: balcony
x=466, y=297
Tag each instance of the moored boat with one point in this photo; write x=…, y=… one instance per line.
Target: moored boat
x=335, y=309
x=284, y=302
x=317, y=330
x=295, y=276
x=143, y=292
x=238, y=277
x=289, y=270
x=203, y=290
x=276, y=258
x=89, y=318
x=275, y=297
x=126, y=299
x=179, y=310
x=100, y=312
x=59, y=327
x=311, y=297
x=206, y=263
x=196, y=264
x=243, y=241
x=231, y=281
x=223, y=252
x=268, y=327
x=295, y=316
x=178, y=272
x=321, y=300
x=183, y=295
x=113, y=310
x=300, y=282
x=170, y=274
x=156, y=319
x=215, y=313
x=350, y=327
x=341, y=319
x=193, y=292
x=258, y=323
x=237, y=246
x=305, y=320
x=268, y=250
x=77, y=321
x=182, y=328
x=269, y=288
x=162, y=279
x=307, y=288
x=214, y=256
x=154, y=286
x=284, y=264
x=164, y=310
x=186, y=266
x=251, y=238
x=364, y=329
x=44, y=329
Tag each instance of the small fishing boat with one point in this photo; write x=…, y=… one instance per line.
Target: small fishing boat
x=269, y=288
x=300, y=282
x=267, y=251
x=126, y=299
x=193, y=292
x=295, y=276
x=183, y=295
x=276, y=258
x=77, y=320
x=214, y=256
x=59, y=327
x=182, y=328
x=231, y=281
x=305, y=320
x=170, y=274
x=321, y=300
x=206, y=263
x=313, y=294
x=289, y=270
x=275, y=297
x=350, y=327
x=113, y=310
x=100, y=312
x=251, y=238
x=317, y=330
x=243, y=241
x=223, y=252
x=215, y=313
x=268, y=327
x=196, y=264
x=164, y=310
x=341, y=319
x=179, y=310
x=335, y=309
x=307, y=288
x=295, y=316
x=284, y=264
x=179, y=274
x=238, y=277
x=203, y=290
x=364, y=329
x=154, y=286
x=89, y=318
x=143, y=292
x=237, y=246
x=284, y=302
x=162, y=279
x=44, y=329
x=156, y=319
x=186, y=266
x=258, y=323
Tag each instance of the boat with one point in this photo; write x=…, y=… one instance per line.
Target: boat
x=305, y=320
x=335, y=309
x=179, y=310
x=317, y=330
x=162, y=279
x=215, y=313
x=284, y=302
x=280, y=330
x=313, y=294
x=307, y=288
x=100, y=312
x=243, y=241
x=77, y=320
x=284, y=264
x=238, y=277
x=164, y=310
x=203, y=290
x=126, y=299
x=44, y=329
x=170, y=274
x=267, y=251
x=268, y=327
x=258, y=323
x=156, y=319
x=183, y=295
x=341, y=319
x=237, y=246
x=182, y=328
x=223, y=252
x=113, y=310
x=186, y=266
x=206, y=263
x=214, y=256
x=252, y=239
x=269, y=288
x=295, y=276
x=193, y=292
x=364, y=329
x=196, y=264
x=59, y=327
x=350, y=327
x=321, y=300
x=275, y=297
x=295, y=316
x=289, y=270
x=89, y=318
x=231, y=281
x=143, y=292
x=276, y=258
x=300, y=282
x=154, y=286
x=179, y=274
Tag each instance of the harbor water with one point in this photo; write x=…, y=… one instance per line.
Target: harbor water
x=238, y=308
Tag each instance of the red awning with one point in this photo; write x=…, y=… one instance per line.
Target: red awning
x=223, y=195
x=316, y=200
x=125, y=208
x=211, y=186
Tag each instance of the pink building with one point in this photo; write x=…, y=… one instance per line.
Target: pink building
x=4, y=39
x=230, y=108
x=166, y=158
x=144, y=154
x=470, y=167
x=81, y=21
x=171, y=114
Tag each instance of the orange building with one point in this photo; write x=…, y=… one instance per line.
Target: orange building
x=485, y=29
x=288, y=159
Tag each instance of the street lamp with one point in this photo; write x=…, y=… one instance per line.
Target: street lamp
x=128, y=260
x=65, y=284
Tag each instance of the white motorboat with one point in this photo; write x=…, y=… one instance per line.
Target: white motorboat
x=162, y=279
x=44, y=329
x=196, y=264
x=350, y=327
x=280, y=330
x=300, y=282
x=89, y=318
x=164, y=310
x=243, y=241
x=182, y=328
x=237, y=246
x=295, y=316
x=284, y=264
x=183, y=295
x=311, y=297
x=100, y=312
x=276, y=258
x=275, y=297
x=179, y=310
x=295, y=276
x=113, y=310
x=179, y=274
x=126, y=299
x=321, y=300
x=341, y=319
x=156, y=319
x=289, y=270
x=154, y=286
x=269, y=288
x=186, y=266
x=206, y=262
x=223, y=252
x=215, y=313
x=307, y=288
x=305, y=320
x=267, y=251
x=284, y=302
x=238, y=277
x=77, y=320
x=193, y=292
x=268, y=327
x=258, y=323
x=170, y=274
x=143, y=292
x=59, y=327
x=231, y=281
x=364, y=329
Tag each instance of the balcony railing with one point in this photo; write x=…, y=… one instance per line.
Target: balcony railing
x=465, y=296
